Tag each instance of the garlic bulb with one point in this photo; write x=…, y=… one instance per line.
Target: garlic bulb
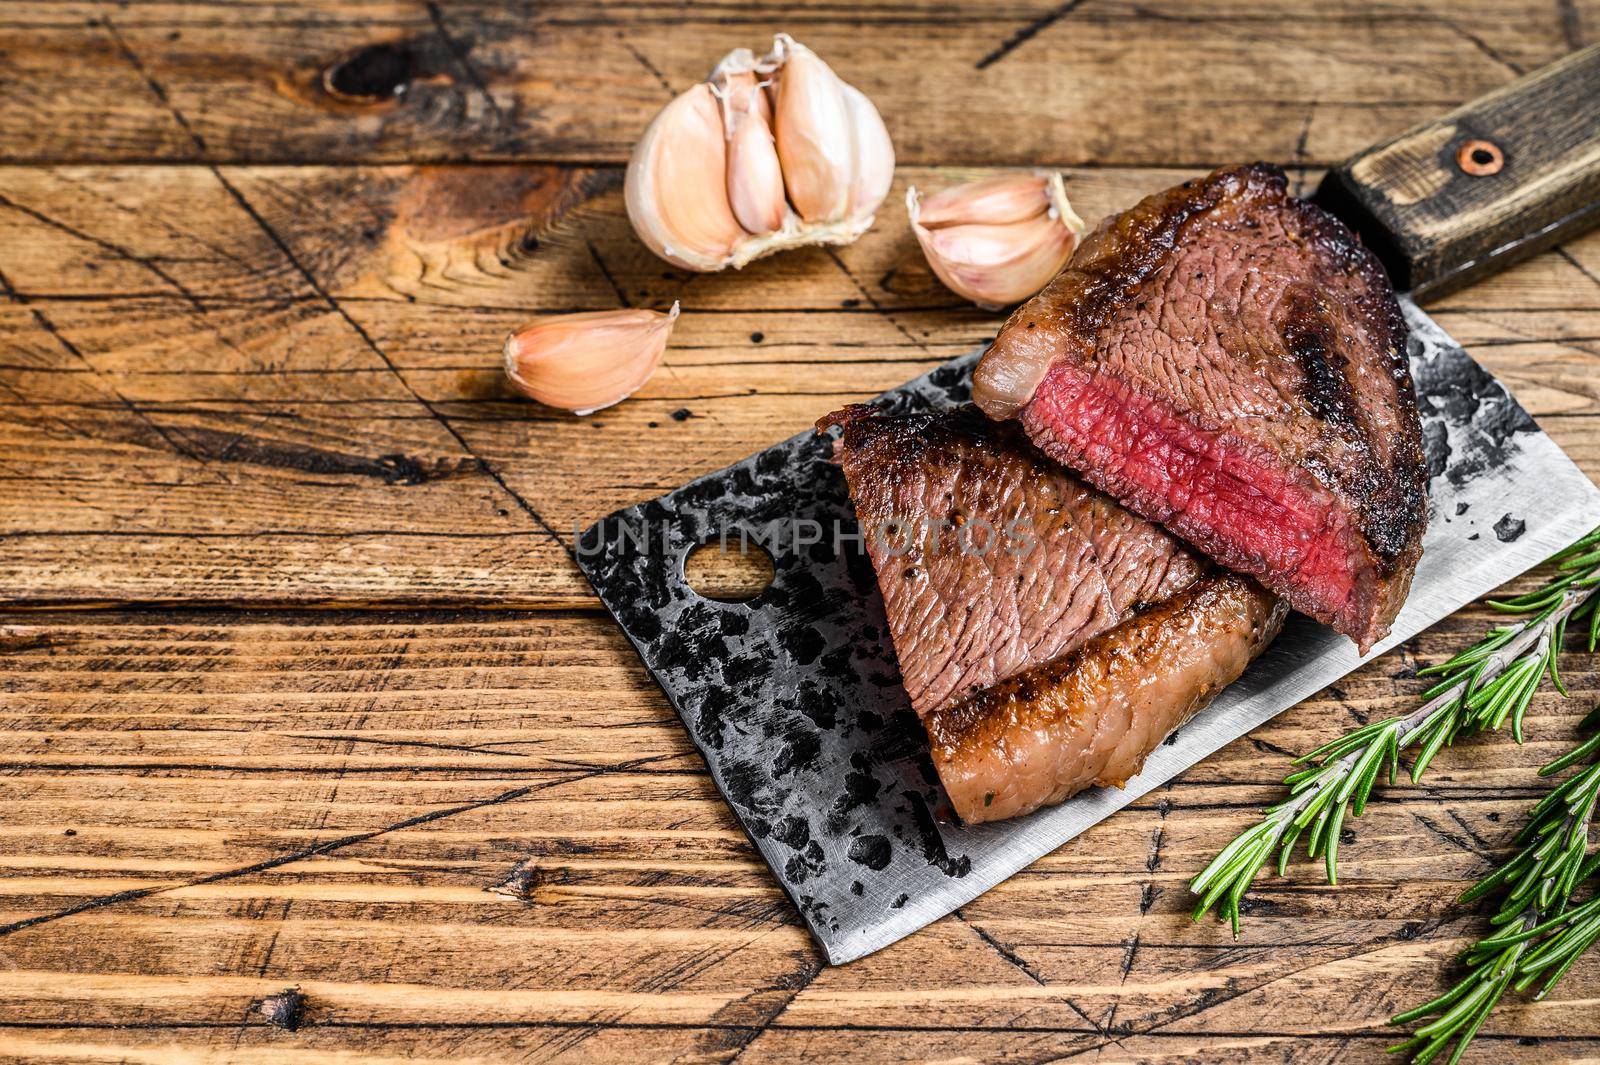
x=766, y=154
x=1000, y=240
x=583, y=362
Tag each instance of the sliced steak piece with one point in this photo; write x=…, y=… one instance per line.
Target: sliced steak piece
x=991, y=558
x=1031, y=611
x=1228, y=361
x=1091, y=717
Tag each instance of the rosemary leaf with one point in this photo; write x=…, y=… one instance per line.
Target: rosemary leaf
x=1542, y=928
x=1479, y=690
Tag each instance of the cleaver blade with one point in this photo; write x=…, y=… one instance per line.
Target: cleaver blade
x=794, y=697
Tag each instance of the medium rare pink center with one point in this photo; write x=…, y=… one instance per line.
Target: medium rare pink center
x=1238, y=503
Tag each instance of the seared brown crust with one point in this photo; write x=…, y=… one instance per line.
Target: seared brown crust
x=1091, y=717
x=1304, y=344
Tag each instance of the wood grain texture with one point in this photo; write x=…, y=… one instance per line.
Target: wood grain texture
x=282, y=385
x=1494, y=181
x=249, y=334
x=460, y=830
x=1024, y=81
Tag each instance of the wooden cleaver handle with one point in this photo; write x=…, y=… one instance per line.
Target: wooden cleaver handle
x=1492, y=182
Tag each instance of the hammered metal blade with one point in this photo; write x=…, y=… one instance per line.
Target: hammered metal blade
x=795, y=701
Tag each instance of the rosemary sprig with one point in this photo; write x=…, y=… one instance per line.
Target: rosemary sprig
x=1541, y=933
x=1480, y=689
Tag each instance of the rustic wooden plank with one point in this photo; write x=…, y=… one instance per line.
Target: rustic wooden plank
x=532, y=687
x=1029, y=81
x=472, y=836
x=481, y=822
x=255, y=1041
x=281, y=385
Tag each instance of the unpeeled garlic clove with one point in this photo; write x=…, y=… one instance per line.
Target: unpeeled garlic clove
x=815, y=134
x=995, y=266
x=806, y=160
x=874, y=154
x=584, y=362
x=675, y=188
x=754, y=174
x=999, y=241
x=996, y=200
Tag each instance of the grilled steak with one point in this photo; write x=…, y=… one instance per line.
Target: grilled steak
x=998, y=567
x=1092, y=716
x=1228, y=361
x=987, y=553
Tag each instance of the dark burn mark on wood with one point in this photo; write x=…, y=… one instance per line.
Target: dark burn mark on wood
x=374, y=73
x=23, y=638
x=520, y=883
x=284, y=1010
x=439, y=204
x=1027, y=33
x=745, y=1019
x=460, y=52
x=211, y=445
x=433, y=74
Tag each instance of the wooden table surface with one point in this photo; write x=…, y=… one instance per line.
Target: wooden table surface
x=299, y=687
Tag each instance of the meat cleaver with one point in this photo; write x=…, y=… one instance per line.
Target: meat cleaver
x=793, y=696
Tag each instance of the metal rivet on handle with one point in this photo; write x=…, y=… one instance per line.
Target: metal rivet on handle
x=1480, y=158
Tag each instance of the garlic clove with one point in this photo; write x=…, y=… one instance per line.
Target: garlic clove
x=873, y=152
x=997, y=263
x=997, y=200
x=584, y=362
x=676, y=189
x=755, y=176
x=739, y=89
x=812, y=128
